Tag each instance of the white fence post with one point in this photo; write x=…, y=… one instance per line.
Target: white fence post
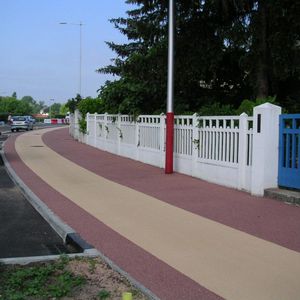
x=242, y=153
x=87, y=117
x=195, y=143
x=162, y=139
x=95, y=129
x=105, y=131
x=76, y=124
x=72, y=124
x=265, y=148
x=119, y=134
x=137, y=139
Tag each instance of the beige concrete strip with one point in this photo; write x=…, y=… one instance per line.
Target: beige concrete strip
x=233, y=264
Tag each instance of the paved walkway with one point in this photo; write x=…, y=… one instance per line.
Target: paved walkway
x=180, y=237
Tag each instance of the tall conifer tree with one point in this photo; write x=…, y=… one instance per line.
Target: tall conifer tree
x=225, y=51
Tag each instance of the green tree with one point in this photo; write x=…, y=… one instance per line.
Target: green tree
x=205, y=69
x=139, y=64
x=54, y=109
x=8, y=105
x=72, y=103
x=90, y=105
x=23, y=108
x=271, y=33
x=35, y=107
x=226, y=51
x=41, y=106
x=11, y=105
x=275, y=28
x=63, y=109
x=29, y=100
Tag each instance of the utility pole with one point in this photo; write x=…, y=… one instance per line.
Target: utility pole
x=50, y=108
x=80, y=51
x=170, y=94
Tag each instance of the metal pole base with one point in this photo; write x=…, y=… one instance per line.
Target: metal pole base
x=169, y=143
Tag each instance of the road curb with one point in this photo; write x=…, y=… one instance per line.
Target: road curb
x=54, y=221
x=284, y=195
x=44, y=258
x=66, y=232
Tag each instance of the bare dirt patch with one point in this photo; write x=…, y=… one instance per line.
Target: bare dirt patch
x=100, y=280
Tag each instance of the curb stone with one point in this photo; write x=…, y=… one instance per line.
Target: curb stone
x=284, y=195
x=55, y=222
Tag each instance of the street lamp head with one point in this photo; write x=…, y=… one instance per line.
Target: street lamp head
x=66, y=23
x=80, y=34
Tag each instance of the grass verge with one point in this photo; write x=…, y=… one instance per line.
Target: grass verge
x=66, y=279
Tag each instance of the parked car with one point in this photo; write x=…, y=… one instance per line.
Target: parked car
x=31, y=118
x=21, y=122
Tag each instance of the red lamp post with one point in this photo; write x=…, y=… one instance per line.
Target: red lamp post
x=170, y=94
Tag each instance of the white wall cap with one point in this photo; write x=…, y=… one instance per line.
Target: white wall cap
x=268, y=105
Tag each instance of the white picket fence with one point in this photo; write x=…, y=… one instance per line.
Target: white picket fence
x=219, y=149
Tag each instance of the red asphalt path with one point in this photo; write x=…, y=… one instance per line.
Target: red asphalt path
x=264, y=218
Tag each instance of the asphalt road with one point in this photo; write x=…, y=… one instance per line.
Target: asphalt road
x=23, y=232
x=6, y=128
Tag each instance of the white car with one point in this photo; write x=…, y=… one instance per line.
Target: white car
x=31, y=119
x=21, y=122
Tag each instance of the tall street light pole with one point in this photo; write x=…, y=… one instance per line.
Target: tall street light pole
x=50, y=108
x=170, y=93
x=80, y=50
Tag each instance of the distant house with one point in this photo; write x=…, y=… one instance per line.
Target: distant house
x=40, y=116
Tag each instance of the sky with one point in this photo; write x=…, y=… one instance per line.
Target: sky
x=41, y=58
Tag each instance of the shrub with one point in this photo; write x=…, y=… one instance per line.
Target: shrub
x=90, y=105
x=82, y=125
x=217, y=109
x=248, y=105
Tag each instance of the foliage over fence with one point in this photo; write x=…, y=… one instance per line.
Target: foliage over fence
x=91, y=105
x=82, y=125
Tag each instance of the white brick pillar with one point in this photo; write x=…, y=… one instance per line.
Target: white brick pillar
x=265, y=148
